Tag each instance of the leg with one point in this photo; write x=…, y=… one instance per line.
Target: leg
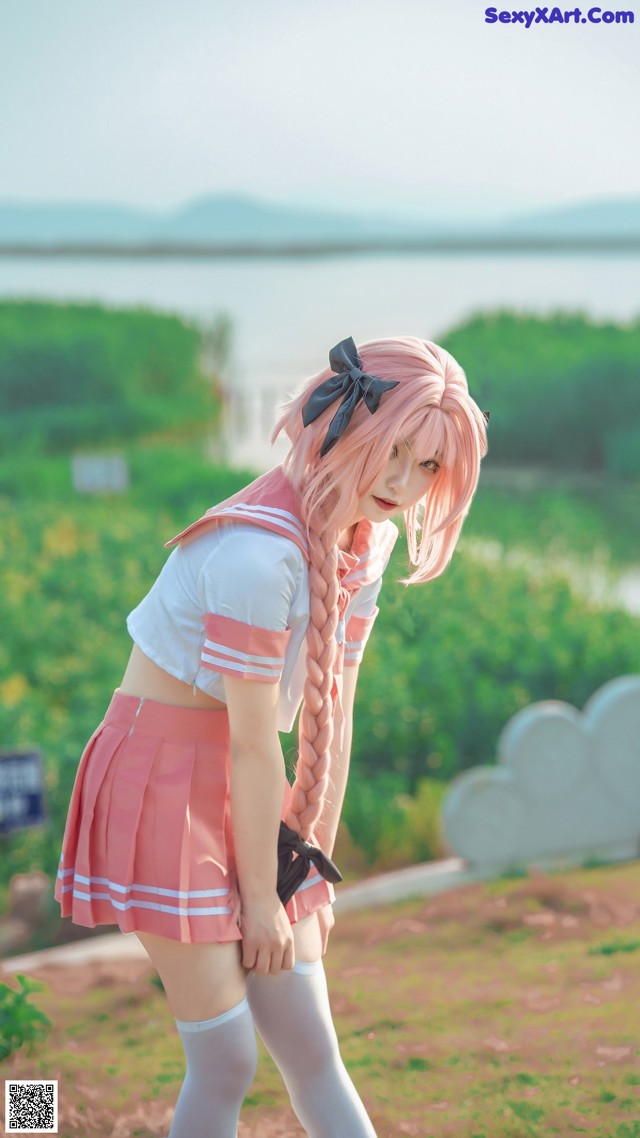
x=206, y=990
x=292, y=1014
x=307, y=939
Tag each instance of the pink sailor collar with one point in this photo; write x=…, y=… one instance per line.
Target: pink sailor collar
x=271, y=503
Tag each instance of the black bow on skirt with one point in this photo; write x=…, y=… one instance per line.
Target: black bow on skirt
x=295, y=858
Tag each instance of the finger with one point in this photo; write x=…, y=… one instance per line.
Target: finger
x=262, y=963
x=289, y=956
x=248, y=955
x=277, y=960
x=283, y=956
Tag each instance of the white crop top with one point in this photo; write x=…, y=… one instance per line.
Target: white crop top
x=235, y=601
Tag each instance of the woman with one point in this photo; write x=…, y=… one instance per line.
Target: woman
x=266, y=602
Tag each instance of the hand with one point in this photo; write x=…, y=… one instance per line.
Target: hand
x=326, y=921
x=267, y=937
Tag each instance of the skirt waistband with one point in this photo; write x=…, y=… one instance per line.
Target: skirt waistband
x=189, y=724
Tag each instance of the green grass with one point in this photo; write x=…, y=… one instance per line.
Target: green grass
x=456, y=1030
x=615, y=946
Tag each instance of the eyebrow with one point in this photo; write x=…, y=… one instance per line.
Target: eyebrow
x=437, y=456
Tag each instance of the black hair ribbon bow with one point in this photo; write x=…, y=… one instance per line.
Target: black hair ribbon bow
x=350, y=384
x=295, y=858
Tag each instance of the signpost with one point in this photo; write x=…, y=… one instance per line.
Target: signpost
x=99, y=473
x=21, y=790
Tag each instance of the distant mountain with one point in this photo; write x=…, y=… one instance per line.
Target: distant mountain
x=219, y=219
x=234, y=219
x=611, y=217
x=240, y=220
x=75, y=221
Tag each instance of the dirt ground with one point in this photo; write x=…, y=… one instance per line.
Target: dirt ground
x=496, y=1010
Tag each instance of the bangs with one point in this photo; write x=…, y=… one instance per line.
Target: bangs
x=431, y=435
x=429, y=431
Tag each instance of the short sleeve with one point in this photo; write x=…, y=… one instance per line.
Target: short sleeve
x=247, y=585
x=362, y=610
x=360, y=619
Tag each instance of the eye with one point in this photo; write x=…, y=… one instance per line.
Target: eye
x=431, y=464
x=394, y=451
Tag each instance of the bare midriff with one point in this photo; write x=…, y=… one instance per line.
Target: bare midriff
x=144, y=678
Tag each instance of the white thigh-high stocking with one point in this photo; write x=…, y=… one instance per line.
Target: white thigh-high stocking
x=221, y=1058
x=292, y=1014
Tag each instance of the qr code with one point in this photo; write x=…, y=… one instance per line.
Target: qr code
x=31, y=1107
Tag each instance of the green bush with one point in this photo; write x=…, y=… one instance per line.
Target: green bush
x=72, y=567
x=372, y=812
x=557, y=520
x=559, y=388
x=622, y=452
x=20, y=1021
x=450, y=662
x=391, y=827
x=74, y=374
x=447, y=665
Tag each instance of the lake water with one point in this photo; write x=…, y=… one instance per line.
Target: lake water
x=287, y=313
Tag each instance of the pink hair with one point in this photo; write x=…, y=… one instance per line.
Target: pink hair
x=432, y=409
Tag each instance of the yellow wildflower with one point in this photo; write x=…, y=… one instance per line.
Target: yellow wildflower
x=13, y=689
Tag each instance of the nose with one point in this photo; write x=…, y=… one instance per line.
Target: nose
x=400, y=473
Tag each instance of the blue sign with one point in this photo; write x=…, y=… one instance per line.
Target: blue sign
x=21, y=790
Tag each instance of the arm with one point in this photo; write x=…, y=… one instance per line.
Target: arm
x=257, y=789
x=246, y=585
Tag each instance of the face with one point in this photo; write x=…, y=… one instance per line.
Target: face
x=406, y=479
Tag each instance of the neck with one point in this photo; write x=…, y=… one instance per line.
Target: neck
x=345, y=539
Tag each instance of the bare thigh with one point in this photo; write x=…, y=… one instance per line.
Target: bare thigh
x=201, y=980
x=307, y=939
x=204, y=980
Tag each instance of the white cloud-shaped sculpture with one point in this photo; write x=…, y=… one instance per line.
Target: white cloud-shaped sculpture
x=566, y=786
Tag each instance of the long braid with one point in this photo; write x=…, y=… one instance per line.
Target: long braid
x=316, y=716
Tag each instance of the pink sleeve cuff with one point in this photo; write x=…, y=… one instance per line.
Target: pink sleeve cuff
x=242, y=650
x=357, y=634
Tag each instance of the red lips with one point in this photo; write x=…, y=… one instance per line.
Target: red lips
x=385, y=504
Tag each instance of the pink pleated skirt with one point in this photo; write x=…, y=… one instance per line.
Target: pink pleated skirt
x=148, y=843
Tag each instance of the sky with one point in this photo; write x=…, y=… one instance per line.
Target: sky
x=412, y=108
